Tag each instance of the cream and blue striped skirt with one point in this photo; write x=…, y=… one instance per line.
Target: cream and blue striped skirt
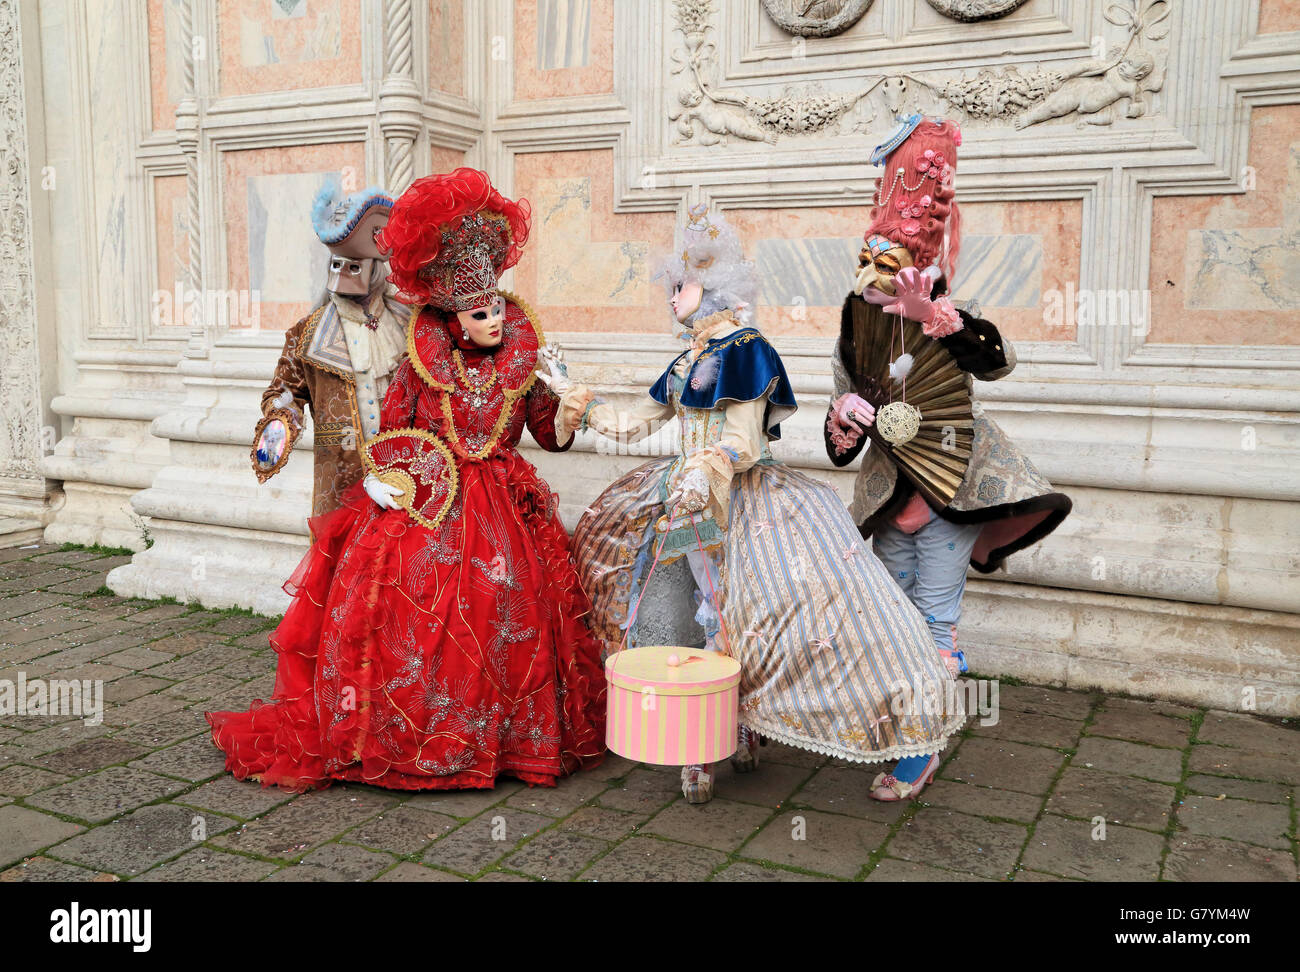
x=834, y=658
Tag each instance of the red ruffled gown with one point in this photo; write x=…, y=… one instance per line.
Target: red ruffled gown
x=416, y=658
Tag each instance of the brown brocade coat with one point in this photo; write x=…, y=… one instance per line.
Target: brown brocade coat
x=316, y=370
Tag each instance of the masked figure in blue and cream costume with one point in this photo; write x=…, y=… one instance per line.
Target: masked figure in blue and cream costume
x=721, y=546
x=338, y=360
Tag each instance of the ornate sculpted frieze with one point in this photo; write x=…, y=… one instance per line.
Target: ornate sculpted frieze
x=20, y=393
x=817, y=18
x=974, y=10
x=1094, y=91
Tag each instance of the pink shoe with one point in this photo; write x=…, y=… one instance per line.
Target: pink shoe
x=888, y=789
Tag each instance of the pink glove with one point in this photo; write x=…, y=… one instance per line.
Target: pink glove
x=912, y=296
x=849, y=417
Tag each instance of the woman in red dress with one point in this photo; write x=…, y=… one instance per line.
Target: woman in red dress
x=436, y=637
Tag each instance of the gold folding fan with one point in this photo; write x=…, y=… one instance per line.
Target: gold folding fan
x=936, y=457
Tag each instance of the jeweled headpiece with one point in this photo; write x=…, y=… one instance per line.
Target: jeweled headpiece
x=450, y=237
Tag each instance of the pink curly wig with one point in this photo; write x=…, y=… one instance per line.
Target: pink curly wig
x=914, y=200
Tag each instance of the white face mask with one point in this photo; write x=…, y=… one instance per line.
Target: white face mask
x=485, y=325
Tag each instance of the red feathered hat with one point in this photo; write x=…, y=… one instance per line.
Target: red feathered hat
x=914, y=204
x=450, y=236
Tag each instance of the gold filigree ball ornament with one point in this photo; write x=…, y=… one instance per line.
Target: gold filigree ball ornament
x=898, y=422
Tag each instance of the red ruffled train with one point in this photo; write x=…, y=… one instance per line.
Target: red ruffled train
x=430, y=659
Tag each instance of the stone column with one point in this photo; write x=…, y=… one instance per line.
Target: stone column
x=400, y=116
x=25, y=352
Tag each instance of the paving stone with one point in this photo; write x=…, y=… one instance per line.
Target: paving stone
x=291, y=831
x=1268, y=824
x=402, y=830
x=809, y=840
x=1032, y=727
x=603, y=823
x=1136, y=725
x=64, y=558
x=1239, y=762
x=644, y=791
x=612, y=767
x=23, y=832
x=484, y=840
x=1046, y=701
x=1040, y=877
x=981, y=801
x=406, y=871
x=42, y=577
x=207, y=658
x=721, y=824
x=17, y=781
x=1241, y=789
x=163, y=612
x=202, y=688
x=1130, y=759
x=251, y=666
x=890, y=869
x=1119, y=799
x=84, y=584
x=136, y=842
x=560, y=800
x=748, y=872
x=106, y=794
x=349, y=863
x=235, y=624
x=1247, y=732
x=91, y=755
x=301, y=873
x=846, y=789
x=771, y=785
x=775, y=752
x=194, y=760
x=132, y=687
x=236, y=798
x=147, y=709
x=208, y=864
x=45, y=869
x=644, y=859
x=556, y=855
x=187, y=642
x=16, y=605
x=18, y=569
x=169, y=729
x=141, y=658
x=1066, y=847
x=1196, y=858
x=960, y=841
x=33, y=744
x=503, y=877
x=463, y=803
x=1004, y=765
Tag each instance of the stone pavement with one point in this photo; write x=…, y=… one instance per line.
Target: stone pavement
x=1186, y=794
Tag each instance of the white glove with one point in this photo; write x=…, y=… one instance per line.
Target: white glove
x=691, y=495
x=381, y=492
x=556, y=373
x=285, y=401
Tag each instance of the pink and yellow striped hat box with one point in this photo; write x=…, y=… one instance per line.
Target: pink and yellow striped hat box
x=672, y=706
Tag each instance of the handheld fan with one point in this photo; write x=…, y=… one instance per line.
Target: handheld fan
x=421, y=465
x=935, y=456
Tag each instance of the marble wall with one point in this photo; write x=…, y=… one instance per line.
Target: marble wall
x=1110, y=151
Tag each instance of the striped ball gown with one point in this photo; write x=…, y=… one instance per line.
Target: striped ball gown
x=834, y=658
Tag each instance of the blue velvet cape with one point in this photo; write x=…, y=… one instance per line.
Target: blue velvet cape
x=748, y=368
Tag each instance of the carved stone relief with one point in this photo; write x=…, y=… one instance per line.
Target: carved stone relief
x=20, y=394
x=816, y=18
x=975, y=10
x=1092, y=91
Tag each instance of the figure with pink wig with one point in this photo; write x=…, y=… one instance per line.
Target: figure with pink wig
x=943, y=487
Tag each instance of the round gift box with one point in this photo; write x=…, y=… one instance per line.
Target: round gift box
x=672, y=715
